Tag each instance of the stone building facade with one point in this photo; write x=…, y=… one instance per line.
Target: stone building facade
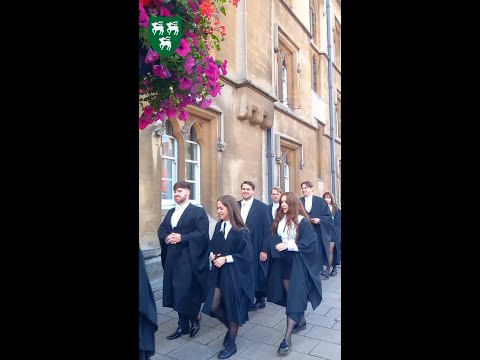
x=271, y=123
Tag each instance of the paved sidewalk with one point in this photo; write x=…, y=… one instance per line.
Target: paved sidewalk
x=260, y=337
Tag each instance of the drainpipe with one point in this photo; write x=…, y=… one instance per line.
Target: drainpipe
x=270, y=163
x=330, y=101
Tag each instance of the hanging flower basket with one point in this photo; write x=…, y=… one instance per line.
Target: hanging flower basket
x=190, y=74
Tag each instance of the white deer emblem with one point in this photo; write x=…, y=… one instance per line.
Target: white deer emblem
x=172, y=26
x=165, y=41
x=158, y=26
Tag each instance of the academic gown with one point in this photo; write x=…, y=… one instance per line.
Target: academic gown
x=236, y=279
x=147, y=322
x=305, y=284
x=186, y=263
x=259, y=224
x=337, y=237
x=324, y=228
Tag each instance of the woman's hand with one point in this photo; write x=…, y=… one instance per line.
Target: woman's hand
x=281, y=246
x=220, y=261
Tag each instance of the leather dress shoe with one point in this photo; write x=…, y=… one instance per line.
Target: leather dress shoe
x=324, y=274
x=179, y=332
x=284, y=347
x=229, y=350
x=301, y=325
x=334, y=272
x=195, y=326
x=258, y=305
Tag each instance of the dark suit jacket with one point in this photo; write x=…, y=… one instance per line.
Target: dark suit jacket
x=259, y=223
x=324, y=228
x=147, y=322
x=182, y=260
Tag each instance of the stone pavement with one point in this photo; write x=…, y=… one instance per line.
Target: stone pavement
x=260, y=337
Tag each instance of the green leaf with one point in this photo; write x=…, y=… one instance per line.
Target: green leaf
x=222, y=9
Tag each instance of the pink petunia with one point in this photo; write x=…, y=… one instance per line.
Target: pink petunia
x=205, y=103
x=143, y=122
x=184, y=83
x=148, y=111
x=184, y=48
x=183, y=115
x=152, y=55
x=189, y=64
x=161, y=71
x=224, y=67
x=171, y=113
x=165, y=11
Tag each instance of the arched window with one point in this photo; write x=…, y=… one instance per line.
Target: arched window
x=169, y=165
x=192, y=165
x=312, y=11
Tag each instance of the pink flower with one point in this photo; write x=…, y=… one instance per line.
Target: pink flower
x=152, y=55
x=184, y=83
x=189, y=64
x=148, y=111
x=143, y=17
x=161, y=71
x=171, y=113
x=224, y=67
x=183, y=115
x=205, y=103
x=143, y=122
x=165, y=11
x=184, y=48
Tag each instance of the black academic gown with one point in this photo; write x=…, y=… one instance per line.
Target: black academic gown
x=337, y=237
x=236, y=279
x=147, y=321
x=324, y=228
x=186, y=263
x=305, y=284
x=259, y=223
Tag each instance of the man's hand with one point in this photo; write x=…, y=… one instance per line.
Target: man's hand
x=263, y=256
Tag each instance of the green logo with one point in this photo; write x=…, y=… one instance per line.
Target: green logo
x=165, y=33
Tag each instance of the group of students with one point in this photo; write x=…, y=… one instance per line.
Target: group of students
x=257, y=251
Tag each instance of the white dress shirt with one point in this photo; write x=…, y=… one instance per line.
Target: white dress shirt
x=179, y=209
x=289, y=234
x=308, y=203
x=274, y=209
x=246, y=205
x=227, y=226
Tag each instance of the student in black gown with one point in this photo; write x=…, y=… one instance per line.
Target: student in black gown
x=147, y=321
x=231, y=282
x=336, y=241
x=294, y=277
x=322, y=222
x=183, y=235
x=257, y=219
x=275, y=193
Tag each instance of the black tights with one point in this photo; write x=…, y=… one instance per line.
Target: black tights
x=218, y=311
x=290, y=322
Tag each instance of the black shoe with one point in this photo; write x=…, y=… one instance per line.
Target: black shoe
x=284, y=347
x=301, y=325
x=179, y=332
x=229, y=350
x=324, y=274
x=258, y=305
x=195, y=326
x=334, y=272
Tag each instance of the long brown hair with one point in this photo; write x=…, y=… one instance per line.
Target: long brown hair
x=295, y=208
x=233, y=211
x=334, y=204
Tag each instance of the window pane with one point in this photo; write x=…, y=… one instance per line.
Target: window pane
x=167, y=169
x=191, y=151
x=190, y=171
x=193, y=191
x=167, y=189
x=168, y=148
